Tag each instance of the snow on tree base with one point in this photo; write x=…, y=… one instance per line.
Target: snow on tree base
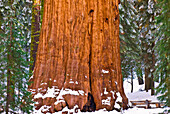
x=55, y=99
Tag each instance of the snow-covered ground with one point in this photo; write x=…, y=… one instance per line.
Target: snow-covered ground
x=138, y=94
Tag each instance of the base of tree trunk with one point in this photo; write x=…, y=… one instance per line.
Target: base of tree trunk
x=47, y=103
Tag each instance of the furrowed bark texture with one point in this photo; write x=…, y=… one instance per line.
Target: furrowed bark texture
x=35, y=31
x=78, y=56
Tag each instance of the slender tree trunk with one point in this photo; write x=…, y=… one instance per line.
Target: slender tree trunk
x=153, y=69
x=9, y=89
x=131, y=80
x=140, y=76
x=146, y=65
x=79, y=52
x=35, y=31
x=147, y=80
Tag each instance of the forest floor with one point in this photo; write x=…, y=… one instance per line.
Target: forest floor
x=138, y=94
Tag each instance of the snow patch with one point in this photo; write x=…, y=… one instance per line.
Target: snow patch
x=105, y=71
x=32, y=91
x=113, y=94
x=119, y=99
x=43, y=83
x=71, y=82
x=67, y=91
x=106, y=101
x=44, y=108
x=138, y=92
x=38, y=95
x=31, y=77
x=51, y=92
x=105, y=92
x=81, y=92
x=115, y=82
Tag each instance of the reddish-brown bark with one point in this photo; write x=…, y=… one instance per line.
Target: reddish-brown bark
x=79, y=52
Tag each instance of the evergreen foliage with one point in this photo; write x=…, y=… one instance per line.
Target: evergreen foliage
x=137, y=40
x=129, y=47
x=14, y=56
x=163, y=44
x=144, y=35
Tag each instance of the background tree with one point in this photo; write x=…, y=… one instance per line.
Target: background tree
x=130, y=50
x=14, y=64
x=78, y=56
x=137, y=40
x=162, y=49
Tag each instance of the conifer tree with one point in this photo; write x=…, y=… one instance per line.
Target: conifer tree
x=138, y=39
x=14, y=63
x=162, y=49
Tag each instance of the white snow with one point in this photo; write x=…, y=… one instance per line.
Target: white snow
x=59, y=97
x=106, y=101
x=31, y=77
x=105, y=92
x=71, y=82
x=38, y=95
x=76, y=82
x=43, y=109
x=67, y=91
x=43, y=83
x=72, y=92
x=119, y=99
x=81, y=92
x=105, y=71
x=138, y=92
x=51, y=92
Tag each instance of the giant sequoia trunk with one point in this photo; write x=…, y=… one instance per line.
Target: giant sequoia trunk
x=78, y=58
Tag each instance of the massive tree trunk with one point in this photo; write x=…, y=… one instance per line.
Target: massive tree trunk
x=78, y=56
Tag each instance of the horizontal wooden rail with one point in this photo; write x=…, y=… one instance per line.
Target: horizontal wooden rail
x=147, y=104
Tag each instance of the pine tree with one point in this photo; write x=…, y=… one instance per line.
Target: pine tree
x=138, y=39
x=162, y=47
x=130, y=49
x=14, y=74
